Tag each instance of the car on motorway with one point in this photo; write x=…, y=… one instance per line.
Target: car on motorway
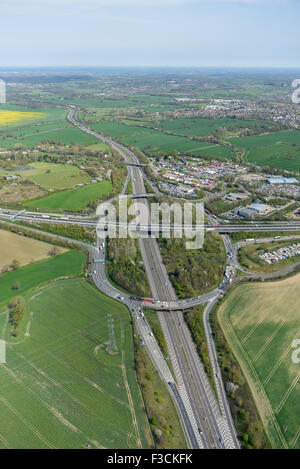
x=151, y=334
x=179, y=324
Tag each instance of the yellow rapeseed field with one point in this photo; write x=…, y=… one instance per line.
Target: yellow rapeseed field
x=11, y=117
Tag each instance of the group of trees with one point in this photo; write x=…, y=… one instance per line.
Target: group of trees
x=194, y=321
x=194, y=271
x=125, y=266
x=81, y=233
x=17, y=310
x=118, y=177
x=162, y=415
x=15, y=264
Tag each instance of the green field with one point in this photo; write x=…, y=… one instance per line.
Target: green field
x=199, y=127
x=260, y=322
x=67, y=264
x=55, y=176
x=50, y=126
x=69, y=379
x=73, y=199
x=143, y=102
x=51, y=133
x=278, y=150
x=153, y=141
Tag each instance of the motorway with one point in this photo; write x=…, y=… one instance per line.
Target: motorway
x=91, y=221
x=185, y=369
x=206, y=420
x=209, y=426
x=231, y=271
x=207, y=423
x=189, y=419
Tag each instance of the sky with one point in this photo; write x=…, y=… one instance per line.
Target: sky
x=192, y=33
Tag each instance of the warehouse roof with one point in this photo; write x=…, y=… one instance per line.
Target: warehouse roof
x=258, y=207
x=282, y=180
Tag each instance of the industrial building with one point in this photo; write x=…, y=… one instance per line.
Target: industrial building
x=236, y=196
x=254, y=210
x=282, y=180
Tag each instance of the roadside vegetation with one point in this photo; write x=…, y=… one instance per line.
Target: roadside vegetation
x=196, y=271
x=161, y=412
x=27, y=231
x=243, y=235
x=194, y=320
x=125, y=266
x=80, y=233
x=153, y=320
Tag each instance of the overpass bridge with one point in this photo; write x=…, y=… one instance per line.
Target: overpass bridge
x=137, y=165
x=141, y=196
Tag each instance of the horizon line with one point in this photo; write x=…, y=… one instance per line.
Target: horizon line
x=230, y=67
